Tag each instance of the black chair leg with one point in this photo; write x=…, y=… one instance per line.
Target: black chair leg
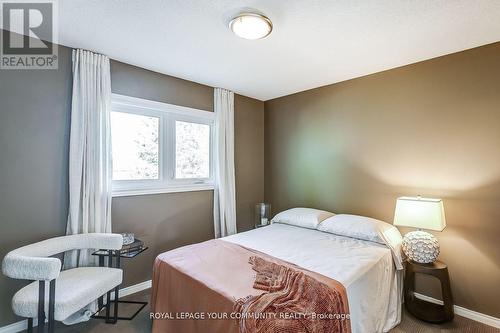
x=117, y=288
x=52, y=295
x=41, y=307
x=115, y=313
x=30, y=325
x=108, y=306
x=100, y=300
x=107, y=318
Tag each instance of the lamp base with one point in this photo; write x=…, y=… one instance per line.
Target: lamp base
x=421, y=247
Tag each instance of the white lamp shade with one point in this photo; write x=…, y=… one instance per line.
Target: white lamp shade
x=422, y=213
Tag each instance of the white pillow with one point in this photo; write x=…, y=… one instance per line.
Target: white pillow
x=302, y=217
x=366, y=228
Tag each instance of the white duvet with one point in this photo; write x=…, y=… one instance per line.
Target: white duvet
x=365, y=269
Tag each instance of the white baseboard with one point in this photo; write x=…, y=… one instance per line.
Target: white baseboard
x=23, y=324
x=133, y=289
x=17, y=327
x=473, y=315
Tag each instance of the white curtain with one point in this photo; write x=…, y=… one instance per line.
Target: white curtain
x=224, y=192
x=90, y=168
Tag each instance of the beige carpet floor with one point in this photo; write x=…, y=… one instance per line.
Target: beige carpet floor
x=142, y=323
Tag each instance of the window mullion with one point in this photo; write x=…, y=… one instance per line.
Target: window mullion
x=173, y=118
x=166, y=149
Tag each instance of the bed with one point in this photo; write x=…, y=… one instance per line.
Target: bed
x=366, y=269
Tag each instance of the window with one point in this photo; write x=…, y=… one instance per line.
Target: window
x=159, y=147
x=135, y=146
x=192, y=150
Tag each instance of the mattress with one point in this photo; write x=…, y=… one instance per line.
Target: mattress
x=366, y=269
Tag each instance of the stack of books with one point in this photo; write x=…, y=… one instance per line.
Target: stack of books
x=132, y=249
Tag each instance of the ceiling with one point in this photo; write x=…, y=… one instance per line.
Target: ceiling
x=314, y=43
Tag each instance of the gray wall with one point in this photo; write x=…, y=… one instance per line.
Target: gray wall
x=34, y=137
x=248, y=158
x=431, y=128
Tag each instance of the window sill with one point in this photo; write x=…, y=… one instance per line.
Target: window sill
x=176, y=189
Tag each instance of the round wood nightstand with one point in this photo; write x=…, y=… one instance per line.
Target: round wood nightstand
x=424, y=310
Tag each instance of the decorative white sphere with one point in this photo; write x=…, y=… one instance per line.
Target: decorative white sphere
x=421, y=247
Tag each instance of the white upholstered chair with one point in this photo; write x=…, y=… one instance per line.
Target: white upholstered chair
x=69, y=290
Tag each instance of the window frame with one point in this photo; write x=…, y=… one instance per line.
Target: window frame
x=168, y=114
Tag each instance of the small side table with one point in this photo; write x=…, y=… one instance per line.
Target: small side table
x=424, y=310
x=100, y=302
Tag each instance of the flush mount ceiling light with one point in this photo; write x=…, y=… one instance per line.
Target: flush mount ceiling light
x=251, y=26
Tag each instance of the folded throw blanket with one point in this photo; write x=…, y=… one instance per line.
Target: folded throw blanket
x=294, y=302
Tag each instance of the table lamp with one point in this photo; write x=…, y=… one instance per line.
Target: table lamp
x=421, y=213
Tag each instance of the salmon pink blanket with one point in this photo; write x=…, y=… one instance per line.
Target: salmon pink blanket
x=217, y=286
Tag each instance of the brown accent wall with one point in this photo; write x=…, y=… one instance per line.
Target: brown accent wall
x=34, y=140
x=431, y=128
